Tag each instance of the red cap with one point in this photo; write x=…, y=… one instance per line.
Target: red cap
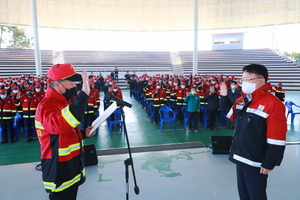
x=30, y=88
x=158, y=83
x=38, y=85
x=279, y=84
x=63, y=71
x=183, y=83
x=3, y=91
x=114, y=86
x=15, y=87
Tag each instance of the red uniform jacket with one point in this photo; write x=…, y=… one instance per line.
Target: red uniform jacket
x=61, y=141
x=8, y=108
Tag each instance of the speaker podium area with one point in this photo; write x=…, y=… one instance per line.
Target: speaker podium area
x=220, y=144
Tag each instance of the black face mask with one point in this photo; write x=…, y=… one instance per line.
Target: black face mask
x=29, y=94
x=70, y=93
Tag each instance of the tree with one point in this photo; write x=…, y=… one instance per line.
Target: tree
x=17, y=38
x=3, y=30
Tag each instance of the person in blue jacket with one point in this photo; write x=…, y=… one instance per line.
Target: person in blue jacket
x=193, y=108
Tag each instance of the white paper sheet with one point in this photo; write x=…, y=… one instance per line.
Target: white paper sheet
x=102, y=117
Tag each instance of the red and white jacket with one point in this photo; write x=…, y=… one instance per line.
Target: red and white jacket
x=260, y=134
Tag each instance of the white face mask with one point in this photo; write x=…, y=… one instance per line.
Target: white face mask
x=212, y=90
x=233, y=87
x=175, y=83
x=37, y=90
x=3, y=96
x=182, y=86
x=193, y=92
x=158, y=87
x=170, y=82
x=213, y=82
x=6, y=88
x=248, y=88
x=15, y=91
x=45, y=90
x=115, y=90
x=1, y=83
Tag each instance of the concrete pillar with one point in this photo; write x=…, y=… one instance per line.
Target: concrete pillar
x=37, y=52
x=195, y=52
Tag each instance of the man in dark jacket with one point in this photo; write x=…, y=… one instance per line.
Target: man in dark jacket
x=259, y=137
x=233, y=94
x=212, y=100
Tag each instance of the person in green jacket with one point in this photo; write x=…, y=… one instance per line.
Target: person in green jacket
x=193, y=108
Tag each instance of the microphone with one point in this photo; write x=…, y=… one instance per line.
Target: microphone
x=110, y=96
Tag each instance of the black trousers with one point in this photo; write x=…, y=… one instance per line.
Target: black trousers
x=156, y=114
x=7, y=125
x=212, y=117
x=252, y=184
x=69, y=194
x=193, y=120
x=29, y=128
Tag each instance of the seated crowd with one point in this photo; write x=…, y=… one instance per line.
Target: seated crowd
x=177, y=91
x=20, y=97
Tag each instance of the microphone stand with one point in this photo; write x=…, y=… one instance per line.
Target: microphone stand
x=128, y=162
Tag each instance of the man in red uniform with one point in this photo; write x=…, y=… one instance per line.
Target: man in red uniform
x=116, y=91
x=96, y=92
x=29, y=103
x=259, y=138
x=38, y=92
x=159, y=100
x=60, y=138
x=279, y=92
x=7, y=113
x=180, y=95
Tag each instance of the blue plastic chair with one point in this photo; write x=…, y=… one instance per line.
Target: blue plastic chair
x=117, y=119
x=185, y=116
x=289, y=105
x=166, y=114
x=106, y=104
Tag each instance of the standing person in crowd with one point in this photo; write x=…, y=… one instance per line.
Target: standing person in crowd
x=29, y=103
x=7, y=113
x=181, y=92
x=259, y=138
x=127, y=79
x=116, y=71
x=38, y=92
x=233, y=94
x=193, y=108
x=116, y=91
x=132, y=82
x=91, y=110
x=112, y=75
x=60, y=138
x=159, y=100
x=279, y=92
x=101, y=82
x=212, y=100
x=95, y=91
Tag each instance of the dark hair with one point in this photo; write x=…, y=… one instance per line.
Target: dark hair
x=233, y=82
x=257, y=69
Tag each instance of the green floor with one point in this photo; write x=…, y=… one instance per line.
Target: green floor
x=141, y=133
